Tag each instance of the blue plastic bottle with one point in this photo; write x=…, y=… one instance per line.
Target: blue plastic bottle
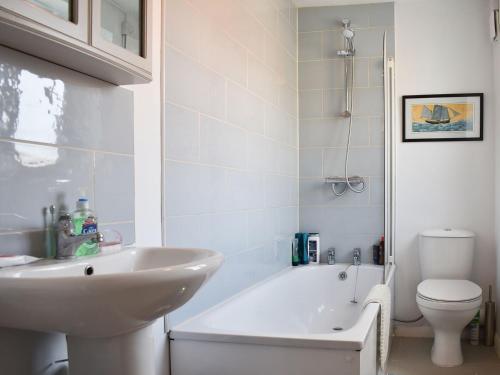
x=303, y=253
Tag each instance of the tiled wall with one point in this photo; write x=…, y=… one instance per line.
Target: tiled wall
x=353, y=220
x=231, y=148
x=61, y=134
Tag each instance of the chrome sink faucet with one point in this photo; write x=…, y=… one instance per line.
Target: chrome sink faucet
x=67, y=241
x=356, y=257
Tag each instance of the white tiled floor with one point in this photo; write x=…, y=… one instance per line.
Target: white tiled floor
x=411, y=356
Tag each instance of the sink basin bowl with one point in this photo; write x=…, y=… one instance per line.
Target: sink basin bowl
x=105, y=295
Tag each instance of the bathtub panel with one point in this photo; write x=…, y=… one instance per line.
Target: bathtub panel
x=233, y=359
x=368, y=356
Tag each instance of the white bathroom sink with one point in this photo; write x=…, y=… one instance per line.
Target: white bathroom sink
x=105, y=295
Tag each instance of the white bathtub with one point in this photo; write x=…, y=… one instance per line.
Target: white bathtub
x=285, y=325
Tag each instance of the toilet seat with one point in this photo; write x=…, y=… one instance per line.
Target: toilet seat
x=444, y=294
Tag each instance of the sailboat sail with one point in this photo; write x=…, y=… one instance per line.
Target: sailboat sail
x=453, y=112
x=440, y=115
x=445, y=115
x=426, y=113
x=436, y=114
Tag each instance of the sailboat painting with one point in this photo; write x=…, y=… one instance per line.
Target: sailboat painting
x=442, y=117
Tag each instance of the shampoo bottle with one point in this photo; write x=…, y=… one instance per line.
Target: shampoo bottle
x=85, y=221
x=302, y=242
x=381, y=254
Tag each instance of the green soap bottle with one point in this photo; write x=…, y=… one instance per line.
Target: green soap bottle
x=85, y=221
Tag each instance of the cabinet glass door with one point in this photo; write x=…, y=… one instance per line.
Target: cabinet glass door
x=122, y=24
x=58, y=18
x=123, y=29
x=59, y=8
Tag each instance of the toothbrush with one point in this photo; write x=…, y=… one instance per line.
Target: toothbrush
x=52, y=248
x=48, y=233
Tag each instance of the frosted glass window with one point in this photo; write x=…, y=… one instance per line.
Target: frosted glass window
x=60, y=8
x=121, y=23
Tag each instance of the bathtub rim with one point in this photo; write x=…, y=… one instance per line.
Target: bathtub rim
x=353, y=338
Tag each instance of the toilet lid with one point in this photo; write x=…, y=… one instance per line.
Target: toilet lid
x=449, y=290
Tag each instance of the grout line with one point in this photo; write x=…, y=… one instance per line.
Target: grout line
x=232, y=169
x=199, y=139
x=64, y=147
x=340, y=29
x=305, y=120
x=247, y=70
x=20, y=231
x=338, y=88
x=315, y=178
x=118, y=222
x=93, y=178
x=163, y=124
x=323, y=163
x=338, y=59
x=226, y=85
x=342, y=147
x=229, y=212
x=35, y=230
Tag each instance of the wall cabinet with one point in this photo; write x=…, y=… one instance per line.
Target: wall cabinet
x=106, y=39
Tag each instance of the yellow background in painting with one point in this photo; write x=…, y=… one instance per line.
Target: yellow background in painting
x=465, y=110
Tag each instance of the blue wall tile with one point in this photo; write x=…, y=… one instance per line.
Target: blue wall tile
x=353, y=220
x=233, y=188
x=114, y=187
x=42, y=102
x=55, y=125
x=34, y=176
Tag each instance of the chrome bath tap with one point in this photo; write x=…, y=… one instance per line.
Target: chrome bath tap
x=356, y=257
x=67, y=241
x=331, y=256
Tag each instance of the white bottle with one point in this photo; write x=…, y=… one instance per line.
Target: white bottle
x=313, y=248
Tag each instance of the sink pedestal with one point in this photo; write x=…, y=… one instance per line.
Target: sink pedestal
x=129, y=354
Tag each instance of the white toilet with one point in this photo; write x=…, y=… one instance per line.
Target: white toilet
x=446, y=297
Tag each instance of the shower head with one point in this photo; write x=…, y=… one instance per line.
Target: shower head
x=348, y=33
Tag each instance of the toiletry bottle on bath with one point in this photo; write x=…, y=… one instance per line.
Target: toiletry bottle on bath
x=381, y=255
x=85, y=221
x=303, y=253
x=295, y=252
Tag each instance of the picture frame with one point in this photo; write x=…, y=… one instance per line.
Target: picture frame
x=443, y=117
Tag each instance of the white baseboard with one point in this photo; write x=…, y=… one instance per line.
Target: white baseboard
x=497, y=344
x=413, y=331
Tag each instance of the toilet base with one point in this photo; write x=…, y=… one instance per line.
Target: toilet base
x=447, y=349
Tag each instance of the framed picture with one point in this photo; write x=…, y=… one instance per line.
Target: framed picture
x=450, y=117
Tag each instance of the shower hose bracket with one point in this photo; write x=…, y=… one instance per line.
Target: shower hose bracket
x=338, y=180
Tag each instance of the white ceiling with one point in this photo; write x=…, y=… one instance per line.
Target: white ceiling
x=318, y=3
